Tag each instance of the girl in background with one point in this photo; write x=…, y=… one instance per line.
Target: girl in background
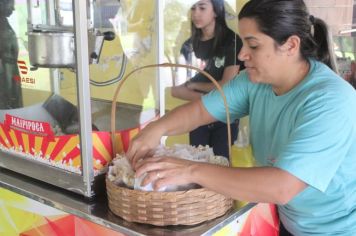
x=214, y=48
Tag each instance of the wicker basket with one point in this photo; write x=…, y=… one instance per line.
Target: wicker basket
x=189, y=207
x=166, y=208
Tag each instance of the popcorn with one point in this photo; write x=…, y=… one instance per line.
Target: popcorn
x=121, y=172
x=40, y=158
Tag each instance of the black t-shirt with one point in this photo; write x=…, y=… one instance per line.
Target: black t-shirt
x=214, y=65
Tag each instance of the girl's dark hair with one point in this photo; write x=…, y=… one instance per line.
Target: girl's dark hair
x=220, y=32
x=281, y=19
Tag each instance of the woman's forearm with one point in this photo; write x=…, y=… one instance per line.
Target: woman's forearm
x=185, y=118
x=256, y=184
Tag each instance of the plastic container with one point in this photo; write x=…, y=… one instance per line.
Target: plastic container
x=241, y=156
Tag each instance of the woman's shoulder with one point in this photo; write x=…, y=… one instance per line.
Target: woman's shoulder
x=325, y=83
x=323, y=74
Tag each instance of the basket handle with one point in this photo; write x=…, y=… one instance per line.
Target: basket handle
x=121, y=82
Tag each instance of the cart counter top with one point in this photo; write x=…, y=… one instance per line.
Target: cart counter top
x=96, y=210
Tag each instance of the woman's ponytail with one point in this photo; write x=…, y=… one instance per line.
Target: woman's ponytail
x=323, y=38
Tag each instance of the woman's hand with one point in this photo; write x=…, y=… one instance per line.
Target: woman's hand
x=165, y=171
x=144, y=143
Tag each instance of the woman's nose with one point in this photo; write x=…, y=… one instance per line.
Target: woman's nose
x=195, y=13
x=243, y=55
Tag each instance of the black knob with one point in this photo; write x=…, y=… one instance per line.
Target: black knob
x=109, y=35
x=94, y=55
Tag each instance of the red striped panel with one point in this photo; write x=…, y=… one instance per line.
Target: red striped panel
x=18, y=135
x=3, y=136
x=98, y=156
x=105, y=138
x=7, y=134
x=74, y=153
x=44, y=146
x=61, y=143
x=125, y=137
x=31, y=140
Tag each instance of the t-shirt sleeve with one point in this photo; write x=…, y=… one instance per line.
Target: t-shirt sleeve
x=319, y=142
x=236, y=92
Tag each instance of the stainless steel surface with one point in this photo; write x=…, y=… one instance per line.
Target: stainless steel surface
x=83, y=75
x=97, y=210
x=52, y=12
x=51, y=49
x=56, y=176
x=96, y=41
x=50, y=28
x=54, y=47
x=161, y=83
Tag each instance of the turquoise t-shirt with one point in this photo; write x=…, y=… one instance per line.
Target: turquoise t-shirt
x=309, y=132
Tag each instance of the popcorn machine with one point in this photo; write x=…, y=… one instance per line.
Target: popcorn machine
x=51, y=139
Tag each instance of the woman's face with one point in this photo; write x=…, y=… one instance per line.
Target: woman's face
x=203, y=14
x=263, y=60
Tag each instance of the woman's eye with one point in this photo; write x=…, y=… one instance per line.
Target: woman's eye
x=253, y=47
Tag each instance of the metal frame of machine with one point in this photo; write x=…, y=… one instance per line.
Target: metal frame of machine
x=86, y=184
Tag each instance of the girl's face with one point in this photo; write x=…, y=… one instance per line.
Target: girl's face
x=262, y=58
x=203, y=15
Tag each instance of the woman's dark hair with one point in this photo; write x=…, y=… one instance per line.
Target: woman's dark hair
x=220, y=32
x=281, y=19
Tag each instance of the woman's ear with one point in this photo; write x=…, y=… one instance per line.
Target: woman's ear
x=292, y=45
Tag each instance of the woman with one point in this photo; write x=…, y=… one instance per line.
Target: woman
x=302, y=124
x=215, y=47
